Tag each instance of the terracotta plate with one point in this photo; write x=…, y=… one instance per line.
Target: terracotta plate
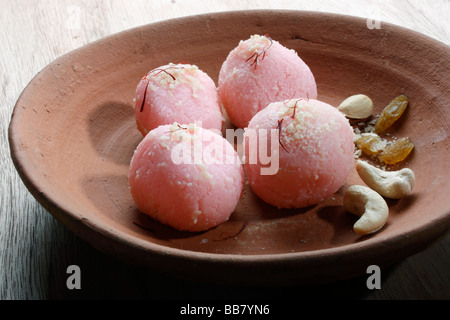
x=73, y=132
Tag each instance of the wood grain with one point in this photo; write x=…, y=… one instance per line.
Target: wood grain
x=35, y=249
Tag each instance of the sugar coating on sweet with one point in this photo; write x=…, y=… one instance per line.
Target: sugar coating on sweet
x=188, y=196
x=259, y=71
x=316, y=153
x=177, y=93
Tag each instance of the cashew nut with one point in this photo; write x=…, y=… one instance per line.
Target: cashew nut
x=358, y=106
x=369, y=205
x=390, y=184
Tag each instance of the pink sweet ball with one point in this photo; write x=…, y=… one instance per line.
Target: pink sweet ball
x=177, y=92
x=260, y=71
x=186, y=177
x=315, y=150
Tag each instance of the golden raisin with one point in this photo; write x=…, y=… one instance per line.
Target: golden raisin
x=391, y=113
x=369, y=143
x=397, y=151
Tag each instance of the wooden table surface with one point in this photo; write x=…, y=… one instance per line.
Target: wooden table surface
x=35, y=249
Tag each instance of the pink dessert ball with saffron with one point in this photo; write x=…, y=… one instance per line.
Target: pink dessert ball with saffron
x=186, y=177
x=313, y=144
x=260, y=71
x=177, y=93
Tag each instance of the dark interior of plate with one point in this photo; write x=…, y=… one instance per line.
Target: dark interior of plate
x=72, y=135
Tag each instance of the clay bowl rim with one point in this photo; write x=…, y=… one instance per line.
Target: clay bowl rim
x=416, y=240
